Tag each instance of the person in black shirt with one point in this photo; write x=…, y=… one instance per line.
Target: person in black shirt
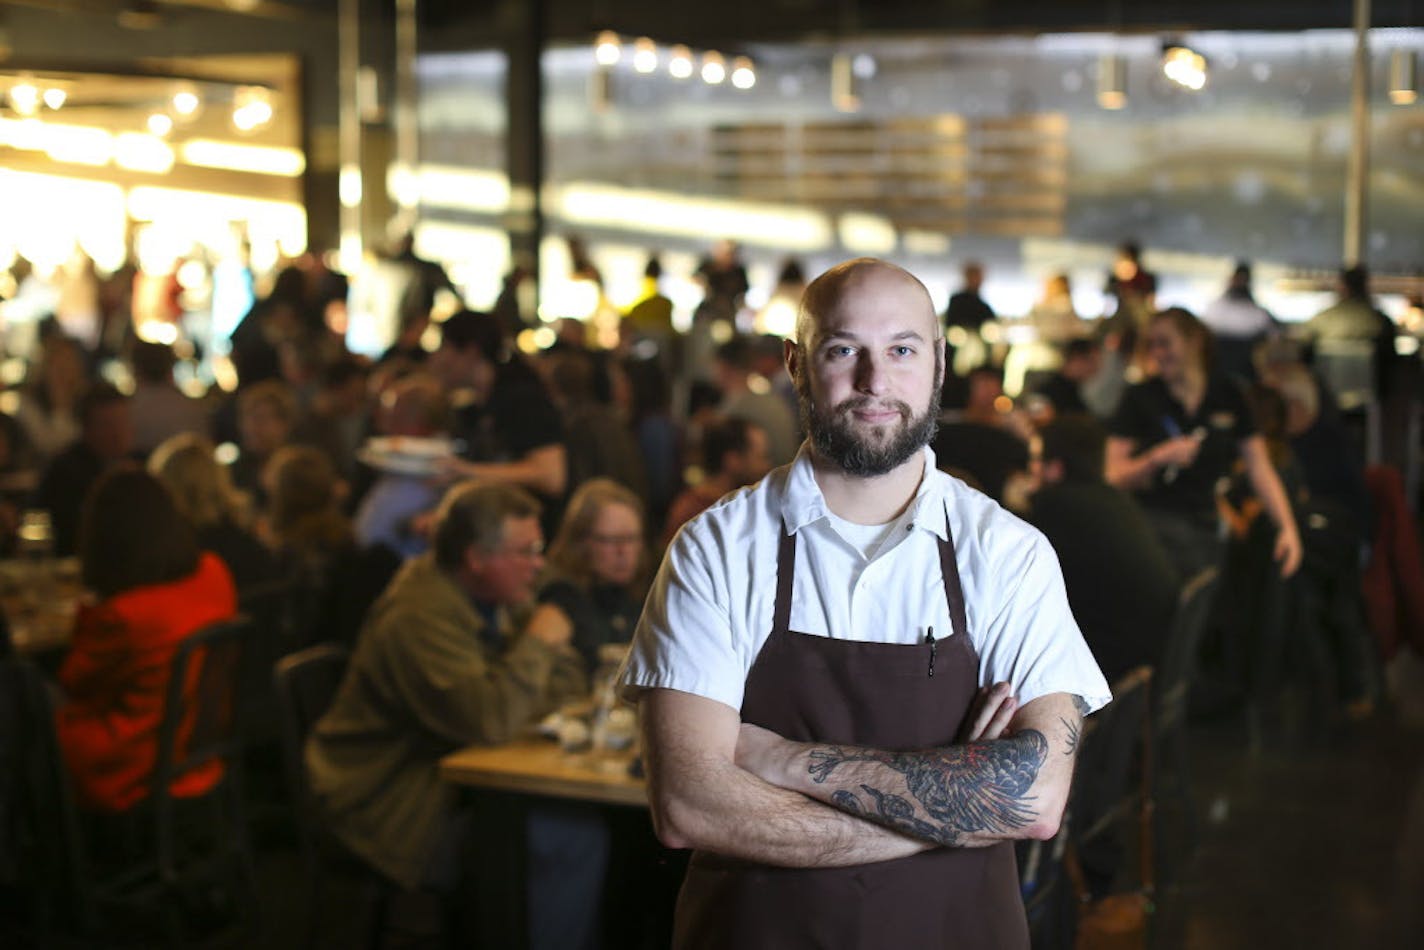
x=509, y=429
x=1176, y=435
x=106, y=441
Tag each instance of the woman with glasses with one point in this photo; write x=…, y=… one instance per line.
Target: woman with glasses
x=597, y=566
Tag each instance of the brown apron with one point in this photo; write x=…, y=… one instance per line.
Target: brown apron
x=884, y=696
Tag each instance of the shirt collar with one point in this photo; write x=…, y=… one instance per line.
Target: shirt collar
x=804, y=504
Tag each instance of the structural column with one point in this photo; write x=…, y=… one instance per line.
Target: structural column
x=1357, y=175
x=524, y=131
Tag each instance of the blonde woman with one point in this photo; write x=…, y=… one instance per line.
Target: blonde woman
x=597, y=566
x=219, y=514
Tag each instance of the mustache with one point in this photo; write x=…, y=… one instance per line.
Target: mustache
x=861, y=403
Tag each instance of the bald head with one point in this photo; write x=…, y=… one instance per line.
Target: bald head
x=862, y=281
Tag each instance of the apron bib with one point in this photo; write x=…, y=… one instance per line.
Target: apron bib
x=881, y=695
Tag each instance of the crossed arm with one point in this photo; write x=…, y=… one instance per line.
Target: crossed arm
x=738, y=790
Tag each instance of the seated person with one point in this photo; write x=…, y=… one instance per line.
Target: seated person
x=1122, y=588
x=220, y=514
x=266, y=415
x=105, y=440
x=983, y=438
x=311, y=539
x=734, y=453
x=1064, y=389
x=596, y=563
x=449, y=656
x=155, y=589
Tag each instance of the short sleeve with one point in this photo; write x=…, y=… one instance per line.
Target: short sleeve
x=1133, y=420
x=1032, y=640
x=684, y=639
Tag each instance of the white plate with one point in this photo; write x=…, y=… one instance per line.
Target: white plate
x=411, y=446
x=397, y=464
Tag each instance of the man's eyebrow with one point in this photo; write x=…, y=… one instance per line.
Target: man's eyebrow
x=847, y=335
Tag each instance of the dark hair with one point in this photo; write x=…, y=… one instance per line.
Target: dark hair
x=721, y=437
x=96, y=397
x=1078, y=441
x=1080, y=346
x=651, y=391
x=483, y=331
x=654, y=268
x=342, y=371
x=473, y=515
x=1130, y=250
x=1356, y=280
x=702, y=395
x=131, y=534
x=736, y=352
x=152, y=362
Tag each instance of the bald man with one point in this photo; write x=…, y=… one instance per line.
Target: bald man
x=859, y=678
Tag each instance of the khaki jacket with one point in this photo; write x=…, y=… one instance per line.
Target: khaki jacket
x=426, y=679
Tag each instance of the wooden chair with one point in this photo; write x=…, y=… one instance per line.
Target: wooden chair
x=1169, y=716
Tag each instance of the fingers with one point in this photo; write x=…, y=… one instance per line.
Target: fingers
x=1002, y=716
x=987, y=709
x=1288, y=553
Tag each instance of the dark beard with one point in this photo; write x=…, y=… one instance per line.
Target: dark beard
x=836, y=441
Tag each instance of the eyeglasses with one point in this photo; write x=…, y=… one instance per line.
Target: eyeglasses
x=533, y=550
x=616, y=540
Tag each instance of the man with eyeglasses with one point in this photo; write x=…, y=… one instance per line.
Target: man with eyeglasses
x=452, y=655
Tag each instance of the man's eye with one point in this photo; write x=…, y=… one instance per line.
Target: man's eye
x=903, y=350
x=837, y=352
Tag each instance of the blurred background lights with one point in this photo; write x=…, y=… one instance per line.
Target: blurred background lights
x=606, y=49
x=645, y=55
x=743, y=73
x=680, y=62
x=714, y=70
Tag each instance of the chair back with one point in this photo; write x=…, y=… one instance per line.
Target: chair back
x=1179, y=659
x=200, y=722
x=1113, y=738
x=306, y=682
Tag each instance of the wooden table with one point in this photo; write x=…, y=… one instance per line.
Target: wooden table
x=535, y=766
x=40, y=601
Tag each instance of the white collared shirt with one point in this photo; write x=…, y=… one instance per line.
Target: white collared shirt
x=710, y=609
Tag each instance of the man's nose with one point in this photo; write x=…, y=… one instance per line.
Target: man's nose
x=869, y=374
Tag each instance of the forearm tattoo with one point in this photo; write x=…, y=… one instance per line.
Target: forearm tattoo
x=949, y=793
x=1074, y=728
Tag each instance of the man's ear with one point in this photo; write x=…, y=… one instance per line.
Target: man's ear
x=1053, y=471
x=791, y=355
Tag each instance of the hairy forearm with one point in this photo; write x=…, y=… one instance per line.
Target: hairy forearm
x=964, y=796
x=700, y=798
x=733, y=813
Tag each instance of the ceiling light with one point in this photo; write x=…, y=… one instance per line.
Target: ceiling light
x=1403, y=77
x=1184, y=66
x=160, y=123
x=1112, y=81
x=645, y=55
x=714, y=70
x=186, y=103
x=54, y=97
x=606, y=49
x=743, y=73
x=252, y=108
x=25, y=98
x=680, y=62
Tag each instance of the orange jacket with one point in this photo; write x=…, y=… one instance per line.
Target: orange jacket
x=115, y=676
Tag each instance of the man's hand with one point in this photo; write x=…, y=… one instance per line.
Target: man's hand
x=990, y=713
x=550, y=625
